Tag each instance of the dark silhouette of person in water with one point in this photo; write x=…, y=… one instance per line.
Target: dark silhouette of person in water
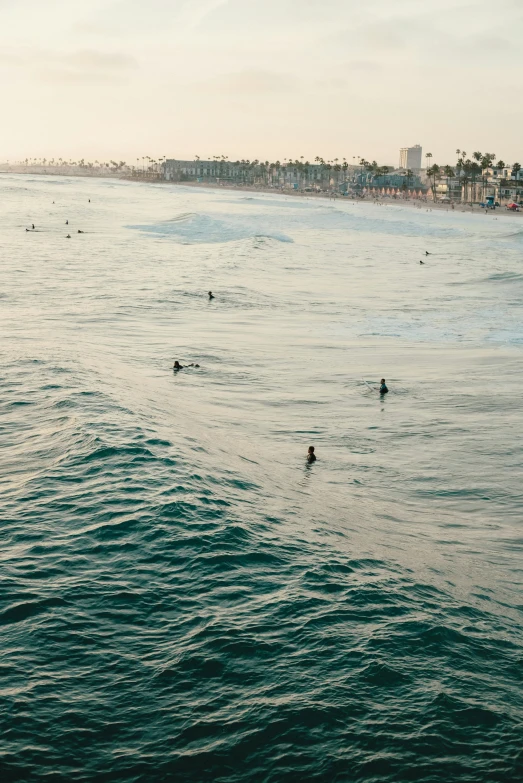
x=383, y=387
x=33, y=226
x=177, y=366
x=311, y=456
x=66, y=222
x=422, y=262
x=80, y=232
x=427, y=253
x=68, y=236
x=211, y=295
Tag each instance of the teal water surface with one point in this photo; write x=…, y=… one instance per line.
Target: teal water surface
x=183, y=598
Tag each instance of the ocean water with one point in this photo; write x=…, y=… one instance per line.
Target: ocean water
x=182, y=598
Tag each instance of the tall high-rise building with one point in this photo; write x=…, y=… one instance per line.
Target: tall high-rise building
x=410, y=157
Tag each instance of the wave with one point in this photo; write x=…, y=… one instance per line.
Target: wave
x=504, y=277
x=181, y=217
x=496, y=277
x=511, y=235
x=192, y=228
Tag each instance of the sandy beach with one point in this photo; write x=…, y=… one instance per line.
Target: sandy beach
x=420, y=204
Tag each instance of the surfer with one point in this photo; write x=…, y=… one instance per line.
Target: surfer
x=383, y=387
x=33, y=226
x=422, y=262
x=427, y=253
x=211, y=295
x=311, y=456
x=178, y=366
x=66, y=222
x=80, y=232
x=68, y=236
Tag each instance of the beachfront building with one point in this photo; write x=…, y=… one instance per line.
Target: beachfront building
x=322, y=177
x=505, y=183
x=410, y=157
x=501, y=184
x=293, y=175
x=186, y=170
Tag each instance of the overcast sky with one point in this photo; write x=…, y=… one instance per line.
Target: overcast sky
x=260, y=78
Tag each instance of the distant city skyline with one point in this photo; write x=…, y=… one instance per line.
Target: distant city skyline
x=270, y=78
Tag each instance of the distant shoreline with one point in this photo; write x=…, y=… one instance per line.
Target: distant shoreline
x=382, y=201
x=392, y=202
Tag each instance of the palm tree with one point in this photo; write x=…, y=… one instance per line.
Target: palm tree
x=475, y=169
x=486, y=162
x=327, y=166
x=337, y=169
x=516, y=168
x=433, y=172
x=429, y=158
x=449, y=172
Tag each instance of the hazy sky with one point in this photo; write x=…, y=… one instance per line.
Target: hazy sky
x=260, y=78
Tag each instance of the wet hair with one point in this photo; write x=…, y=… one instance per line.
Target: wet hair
x=382, y=380
x=311, y=449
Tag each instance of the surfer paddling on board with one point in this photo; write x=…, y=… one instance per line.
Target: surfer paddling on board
x=177, y=366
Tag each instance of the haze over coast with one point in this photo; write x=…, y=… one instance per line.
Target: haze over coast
x=102, y=79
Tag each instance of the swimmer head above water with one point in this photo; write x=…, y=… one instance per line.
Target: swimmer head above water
x=211, y=296
x=311, y=456
x=383, y=387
